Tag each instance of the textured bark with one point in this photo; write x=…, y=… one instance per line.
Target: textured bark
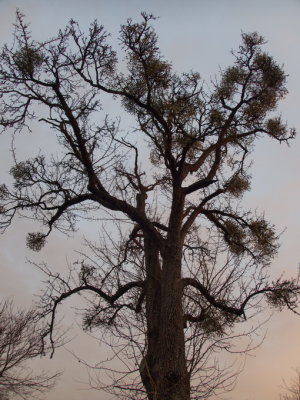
x=148, y=368
x=174, y=380
x=163, y=369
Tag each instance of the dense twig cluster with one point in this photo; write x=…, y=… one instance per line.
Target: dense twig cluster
x=21, y=339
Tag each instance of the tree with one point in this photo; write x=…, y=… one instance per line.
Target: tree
x=293, y=389
x=185, y=262
x=20, y=341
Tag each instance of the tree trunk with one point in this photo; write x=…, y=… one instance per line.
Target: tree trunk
x=174, y=382
x=163, y=369
x=148, y=368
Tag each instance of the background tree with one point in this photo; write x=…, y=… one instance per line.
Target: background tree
x=189, y=261
x=20, y=342
x=292, y=389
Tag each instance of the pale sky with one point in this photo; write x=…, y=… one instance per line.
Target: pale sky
x=197, y=35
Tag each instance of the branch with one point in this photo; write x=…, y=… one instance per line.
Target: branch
x=95, y=186
x=197, y=211
x=67, y=204
x=211, y=299
x=284, y=290
x=202, y=183
x=110, y=299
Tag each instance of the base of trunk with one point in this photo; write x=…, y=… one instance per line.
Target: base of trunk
x=164, y=385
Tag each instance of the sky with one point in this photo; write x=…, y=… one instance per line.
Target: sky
x=197, y=35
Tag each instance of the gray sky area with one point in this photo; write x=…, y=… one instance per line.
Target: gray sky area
x=197, y=35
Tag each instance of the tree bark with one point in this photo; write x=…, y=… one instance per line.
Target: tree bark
x=163, y=370
x=174, y=380
x=148, y=368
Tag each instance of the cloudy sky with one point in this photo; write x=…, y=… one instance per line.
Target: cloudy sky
x=198, y=35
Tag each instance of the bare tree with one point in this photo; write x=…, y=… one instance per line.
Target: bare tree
x=189, y=262
x=292, y=389
x=21, y=340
